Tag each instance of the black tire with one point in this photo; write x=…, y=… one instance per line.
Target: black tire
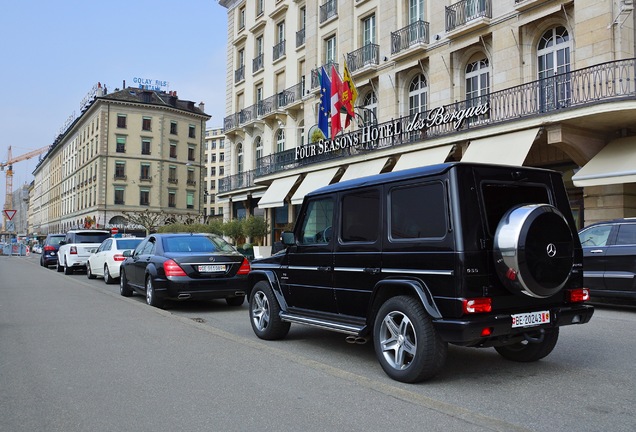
x=124, y=289
x=526, y=352
x=58, y=267
x=235, y=301
x=108, y=279
x=68, y=270
x=406, y=344
x=42, y=261
x=151, y=295
x=265, y=313
x=89, y=273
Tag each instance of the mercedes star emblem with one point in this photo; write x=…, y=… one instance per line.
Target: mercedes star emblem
x=551, y=249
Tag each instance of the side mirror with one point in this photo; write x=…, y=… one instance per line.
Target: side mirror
x=62, y=243
x=288, y=238
x=127, y=253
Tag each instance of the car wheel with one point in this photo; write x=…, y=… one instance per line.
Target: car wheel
x=58, y=267
x=89, y=273
x=151, y=295
x=406, y=344
x=265, y=313
x=124, y=289
x=107, y=277
x=528, y=350
x=235, y=301
x=68, y=270
x=42, y=261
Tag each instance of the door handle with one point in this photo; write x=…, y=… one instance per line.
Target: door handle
x=596, y=251
x=323, y=268
x=371, y=270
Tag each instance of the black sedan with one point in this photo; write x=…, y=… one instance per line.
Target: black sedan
x=184, y=267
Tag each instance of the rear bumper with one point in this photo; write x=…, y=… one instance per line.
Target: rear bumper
x=184, y=288
x=468, y=330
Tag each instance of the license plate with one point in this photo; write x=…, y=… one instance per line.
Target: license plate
x=530, y=319
x=211, y=268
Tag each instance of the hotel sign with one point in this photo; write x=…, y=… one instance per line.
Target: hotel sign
x=369, y=134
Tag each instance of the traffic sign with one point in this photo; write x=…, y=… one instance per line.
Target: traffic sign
x=10, y=213
x=10, y=227
x=114, y=230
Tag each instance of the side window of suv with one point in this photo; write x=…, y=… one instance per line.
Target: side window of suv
x=595, y=236
x=417, y=212
x=317, y=227
x=361, y=216
x=626, y=234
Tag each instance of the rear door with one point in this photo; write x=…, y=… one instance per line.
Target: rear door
x=595, y=242
x=620, y=261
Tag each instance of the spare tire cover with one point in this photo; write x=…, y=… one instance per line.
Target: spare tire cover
x=534, y=250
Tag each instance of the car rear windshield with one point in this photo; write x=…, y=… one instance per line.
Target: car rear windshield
x=501, y=197
x=91, y=237
x=55, y=241
x=199, y=243
x=127, y=243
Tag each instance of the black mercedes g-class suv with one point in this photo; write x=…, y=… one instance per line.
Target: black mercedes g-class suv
x=469, y=254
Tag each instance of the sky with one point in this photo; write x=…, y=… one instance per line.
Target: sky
x=52, y=53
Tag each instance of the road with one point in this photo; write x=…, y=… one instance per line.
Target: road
x=76, y=356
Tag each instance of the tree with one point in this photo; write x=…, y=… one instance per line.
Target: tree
x=150, y=220
x=256, y=229
x=234, y=230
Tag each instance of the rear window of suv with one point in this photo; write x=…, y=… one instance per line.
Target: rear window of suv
x=501, y=197
x=54, y=241
x=90, y=237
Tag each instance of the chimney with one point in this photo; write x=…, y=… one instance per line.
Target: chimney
x=202, y=106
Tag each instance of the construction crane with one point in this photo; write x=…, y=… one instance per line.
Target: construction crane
x=8, y=198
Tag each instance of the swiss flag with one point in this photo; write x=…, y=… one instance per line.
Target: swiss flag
x=336, y=101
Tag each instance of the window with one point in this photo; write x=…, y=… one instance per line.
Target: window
x=554, y=66
x=144, y=197
x=213, y=145
x=370, y=105
x=172, y=174
x=192, y=131
x=418, y=95
x=213, y=158
x=119, y=195
x=500, y=197
x=259, y=7
x=416, y=11
x=121, y=144
x=173, y=127
x=477, y=82
x=221, y=171
x=280, y=140
x=259, y=45
x=145, y=146
x=172, y=198
x=221, y=143
x=190, y=200
x=318, y=222
x=368, y=30
x=121, y=121
x=626, y=235
x=239, y=158
x=259, y=148
x=191, y=152
x=173, y=150
x=330, y=50
x=190, y=180
x=416, y=212
x=280, y=32
x=120, y=170
x=596, y=236
x=241, y=20
x=145, y=172
x=212, y=171
x=221, y=157
x=361, y=216
x=146, y=124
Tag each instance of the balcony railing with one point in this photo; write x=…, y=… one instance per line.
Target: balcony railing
x=279, y=50
x=460, y=13
x=328, y=10
x=290, y=95
x=365, y=56
x=239, y=74
x=300, y=37
x=315, y=73
x=258, y=63
x=607, y=82
x=413, y=34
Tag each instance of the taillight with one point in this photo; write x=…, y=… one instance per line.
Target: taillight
x=171, y=268
x=49, y=248
x=118, y=257
x=477, y=305
x=73, y=250
x=577, y=295
x=245, y=267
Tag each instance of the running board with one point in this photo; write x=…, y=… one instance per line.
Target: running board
x=327, y=325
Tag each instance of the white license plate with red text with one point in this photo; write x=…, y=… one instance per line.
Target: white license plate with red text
x=530, y=319
x=211, y=268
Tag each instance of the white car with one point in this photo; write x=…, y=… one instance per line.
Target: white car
x=109, y=256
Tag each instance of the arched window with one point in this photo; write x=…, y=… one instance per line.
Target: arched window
x=258, y=147
x=418, y=95
x=370, y=105
x=280, y=140
x=239, y=158
x=477, y=81
x=553, y=64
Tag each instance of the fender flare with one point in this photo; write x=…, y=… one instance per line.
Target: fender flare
x=274, y=283
x=420, y=289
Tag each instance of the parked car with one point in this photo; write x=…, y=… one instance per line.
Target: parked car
x=609, y=259
x=77, y=246
x=468, y=254
x=107, y=259
x=185, y=267
x=49, y=249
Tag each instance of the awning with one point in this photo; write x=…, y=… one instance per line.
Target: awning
x=312, y=181
x=277, y=191
x=429, y=156
x=615, y=163
x=237, y=198
x=507, y=149
x=363, y=169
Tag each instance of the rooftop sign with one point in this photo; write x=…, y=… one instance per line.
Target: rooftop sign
x=151, y=84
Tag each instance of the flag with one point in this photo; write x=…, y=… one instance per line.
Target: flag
x=349, y=93
x=336, y=101
x=325, y=103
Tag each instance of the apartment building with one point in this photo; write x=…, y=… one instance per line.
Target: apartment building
x=525, y=82
x=129, y=150
x=214, y=160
